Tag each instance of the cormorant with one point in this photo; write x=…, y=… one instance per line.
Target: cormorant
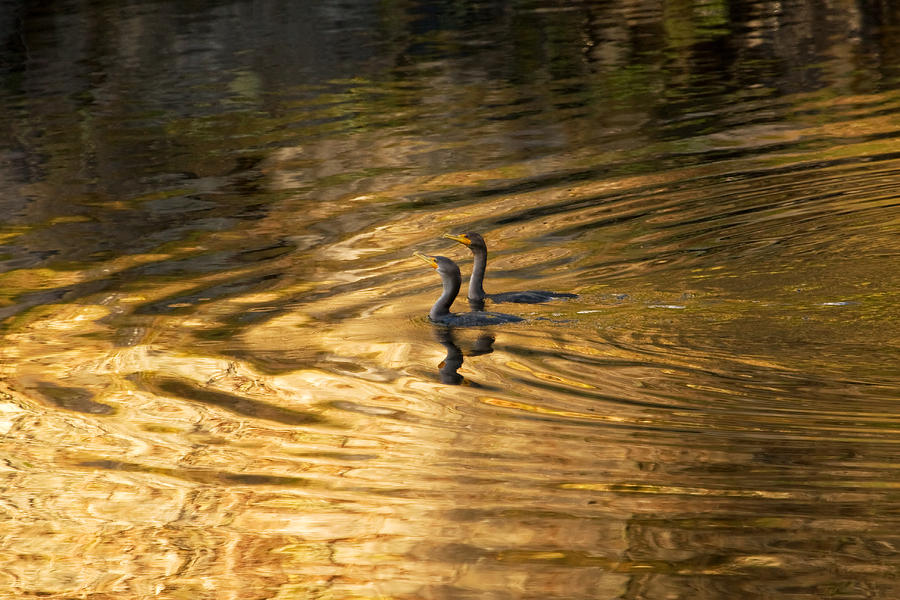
x=450, y=278
x=477, y=295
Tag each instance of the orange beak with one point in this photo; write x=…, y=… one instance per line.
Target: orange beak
x=462, y=238
x=427, y=259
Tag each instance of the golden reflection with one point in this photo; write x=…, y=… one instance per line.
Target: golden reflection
x=662, y=489
x=548, y=411
x=549, y=376
x=217, y=379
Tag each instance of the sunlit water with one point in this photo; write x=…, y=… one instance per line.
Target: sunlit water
x=218, y=379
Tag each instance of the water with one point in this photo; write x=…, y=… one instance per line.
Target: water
x=217, y=378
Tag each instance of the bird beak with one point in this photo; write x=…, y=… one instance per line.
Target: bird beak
x=427, y=259
x=462, y=238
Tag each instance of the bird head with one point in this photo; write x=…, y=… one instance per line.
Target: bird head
x=471, y=239
x=442, y=264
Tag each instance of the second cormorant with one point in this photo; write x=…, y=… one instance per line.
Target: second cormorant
x=450, y=278
x=476, y=295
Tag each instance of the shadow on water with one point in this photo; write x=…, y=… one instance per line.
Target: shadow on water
x=206, y=477
x=75, y=399
x=240, y=405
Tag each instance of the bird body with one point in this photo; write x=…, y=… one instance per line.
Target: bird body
x=528, y=297
x=476, y=293
x=450, y=279
x=475, y=319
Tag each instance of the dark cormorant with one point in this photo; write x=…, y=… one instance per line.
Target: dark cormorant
x=440, y=312
x=476, y=282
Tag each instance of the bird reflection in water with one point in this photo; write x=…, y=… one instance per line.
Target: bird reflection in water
x=447, y=369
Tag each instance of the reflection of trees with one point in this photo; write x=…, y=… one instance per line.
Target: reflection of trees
x=108, y=99
x=739, y=43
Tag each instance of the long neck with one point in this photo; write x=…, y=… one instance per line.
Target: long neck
x=451, y=289
x=476, y=281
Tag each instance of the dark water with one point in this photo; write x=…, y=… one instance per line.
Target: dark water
x=217, y=378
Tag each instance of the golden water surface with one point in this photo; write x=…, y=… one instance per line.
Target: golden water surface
x=217, y=375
